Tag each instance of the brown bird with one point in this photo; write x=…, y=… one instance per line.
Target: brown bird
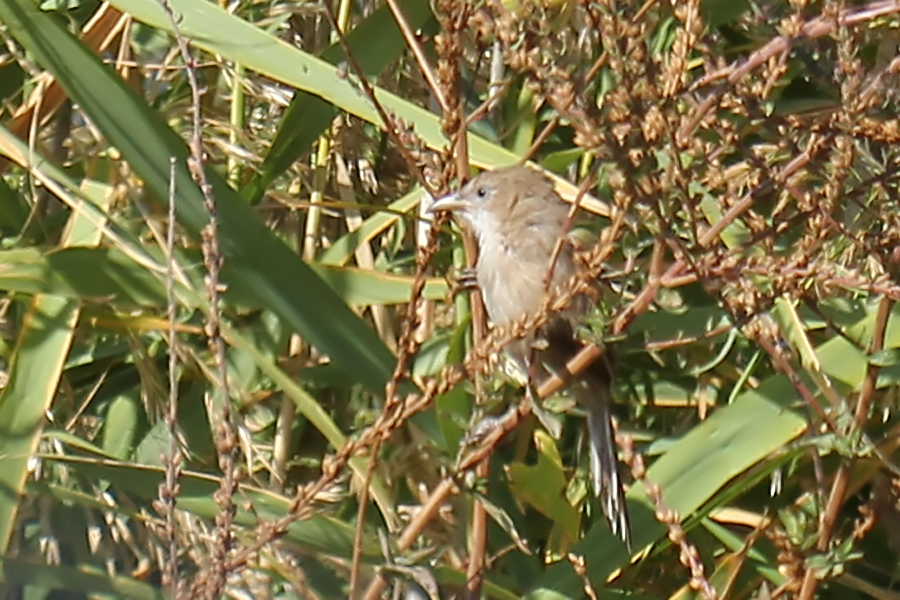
x=517, y=218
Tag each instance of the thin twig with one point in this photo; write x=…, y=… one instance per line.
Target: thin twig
x=224, y=433
x=415, y=47
x=173, y=456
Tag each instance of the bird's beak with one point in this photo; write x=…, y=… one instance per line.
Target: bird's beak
x=449, y=203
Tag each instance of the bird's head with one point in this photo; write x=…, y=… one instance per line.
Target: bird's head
x=506, y=204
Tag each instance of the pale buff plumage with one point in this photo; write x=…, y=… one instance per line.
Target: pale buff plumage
x=517, y=218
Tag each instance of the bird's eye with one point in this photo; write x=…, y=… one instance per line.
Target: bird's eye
x=482, y=193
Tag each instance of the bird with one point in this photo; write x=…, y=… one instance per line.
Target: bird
x=517, y=217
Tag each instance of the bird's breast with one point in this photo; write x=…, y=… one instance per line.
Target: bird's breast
x=514, y=287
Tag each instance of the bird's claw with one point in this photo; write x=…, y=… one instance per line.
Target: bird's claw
x=480, y=430
x=484, y=426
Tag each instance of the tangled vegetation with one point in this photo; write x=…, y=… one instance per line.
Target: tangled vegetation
x=236, y=361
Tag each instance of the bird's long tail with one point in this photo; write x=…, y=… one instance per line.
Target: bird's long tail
x=605, y=476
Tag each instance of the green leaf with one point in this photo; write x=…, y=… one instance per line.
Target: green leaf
x=721, y=12
x=13, y=210
x=106, y=275
x=885, y=358
x=362, y=287
x=72, y=580
x=90, y=274
x=120, y=425
x=543, y=485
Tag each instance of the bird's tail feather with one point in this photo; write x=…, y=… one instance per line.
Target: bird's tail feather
x=607, y=482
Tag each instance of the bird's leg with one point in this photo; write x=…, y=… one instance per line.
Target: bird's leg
x=483, y=426
x=464, y=280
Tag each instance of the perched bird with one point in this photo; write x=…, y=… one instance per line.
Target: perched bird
x=517, y=218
